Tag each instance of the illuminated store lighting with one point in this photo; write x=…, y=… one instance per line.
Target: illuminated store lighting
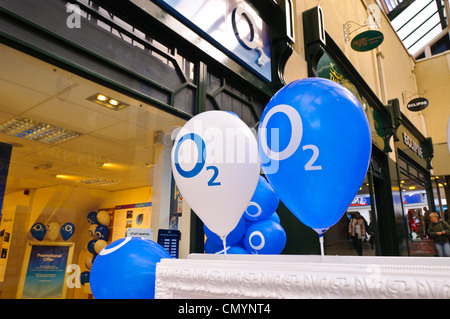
x=107, y=101
x=37, y=131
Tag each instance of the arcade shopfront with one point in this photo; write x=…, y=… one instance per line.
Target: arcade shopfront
x=91, y=92
x=380, y=198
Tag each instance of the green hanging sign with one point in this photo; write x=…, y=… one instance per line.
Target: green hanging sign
x=367, y=40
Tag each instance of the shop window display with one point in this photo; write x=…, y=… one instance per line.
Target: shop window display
x=70, y=156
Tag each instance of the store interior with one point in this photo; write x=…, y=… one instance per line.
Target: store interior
x=77, y=147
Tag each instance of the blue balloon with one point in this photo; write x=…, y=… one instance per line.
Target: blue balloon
x=125, y=269
x=211, y=247
x=275, y=217
x=67, y=231
x=263, y=203
x=92, y=218
x=84, y=277
x=38, y=231
x=233, y=237
x=102, y=232
x=265, y=237
x=315, y=146
x=90, y=246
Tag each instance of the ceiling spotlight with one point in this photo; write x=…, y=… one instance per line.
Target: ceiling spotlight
x=107, y=101
x=113, y=102
x=101, y=97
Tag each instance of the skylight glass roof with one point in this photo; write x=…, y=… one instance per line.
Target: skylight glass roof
x=416, y=22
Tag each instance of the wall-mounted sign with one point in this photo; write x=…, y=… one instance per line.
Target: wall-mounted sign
x=233, y=25
x=131, y=216
x=417, y=104
x=413, y=146
x=367, y=40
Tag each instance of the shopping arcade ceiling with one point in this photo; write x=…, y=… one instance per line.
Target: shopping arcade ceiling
x=123, y=140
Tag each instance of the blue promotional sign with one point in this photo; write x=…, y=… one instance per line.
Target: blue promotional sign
x=169, y=239
x=363, y=200
x=234, y=25
x=45, y=277
x=413, y=198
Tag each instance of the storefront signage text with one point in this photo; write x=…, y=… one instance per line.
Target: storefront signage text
x=417, y=104
x=413, y=146
x=367, y=40
x=234, y=26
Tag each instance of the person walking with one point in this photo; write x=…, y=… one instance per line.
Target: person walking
x=439, y=230
x=357, y=231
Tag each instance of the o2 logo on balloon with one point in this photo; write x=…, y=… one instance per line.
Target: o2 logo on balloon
x=215, y=157
x=294, y=140
x=201, y=151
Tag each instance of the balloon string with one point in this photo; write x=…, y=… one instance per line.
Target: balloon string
x=321, y=247
x=224, y=241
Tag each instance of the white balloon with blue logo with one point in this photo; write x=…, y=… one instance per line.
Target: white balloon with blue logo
x=216, y=167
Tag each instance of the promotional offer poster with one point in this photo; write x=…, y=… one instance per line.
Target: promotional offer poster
x=46, y=272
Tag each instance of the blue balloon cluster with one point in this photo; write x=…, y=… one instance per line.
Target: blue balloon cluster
x=38, y=231
x=100, y=235
x=125, y=269
x=258, y=231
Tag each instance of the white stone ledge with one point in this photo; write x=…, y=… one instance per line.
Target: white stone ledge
x=312, y=276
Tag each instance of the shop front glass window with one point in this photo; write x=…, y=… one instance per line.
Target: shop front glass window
x=416, y=207
x=76, y=147
x=341, y=238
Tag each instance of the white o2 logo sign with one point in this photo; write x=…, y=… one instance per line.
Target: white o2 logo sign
x=247, y=32
x=294, y=140
x=201, y=151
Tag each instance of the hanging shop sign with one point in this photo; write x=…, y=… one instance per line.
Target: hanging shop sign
x=233, y=25
x=417, y=104
x=367, y=40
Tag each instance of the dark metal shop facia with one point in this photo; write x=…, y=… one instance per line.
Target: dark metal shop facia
x=146, y=52
x=409, y=139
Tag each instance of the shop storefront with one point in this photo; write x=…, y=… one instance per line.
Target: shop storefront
x=414, y=153
x=379, y=199
x=91, y=93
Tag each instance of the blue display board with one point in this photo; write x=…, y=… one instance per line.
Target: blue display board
x=45, y=270
x=170, y=239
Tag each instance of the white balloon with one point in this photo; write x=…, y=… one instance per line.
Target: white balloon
x=53, y=230
x=103, y=218
x=216, y=167
x=91, y=231
x=99, y=245
x=88, y=261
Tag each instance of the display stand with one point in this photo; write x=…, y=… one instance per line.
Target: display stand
x=313, y=276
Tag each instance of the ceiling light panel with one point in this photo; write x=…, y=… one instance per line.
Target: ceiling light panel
x=37, y=131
